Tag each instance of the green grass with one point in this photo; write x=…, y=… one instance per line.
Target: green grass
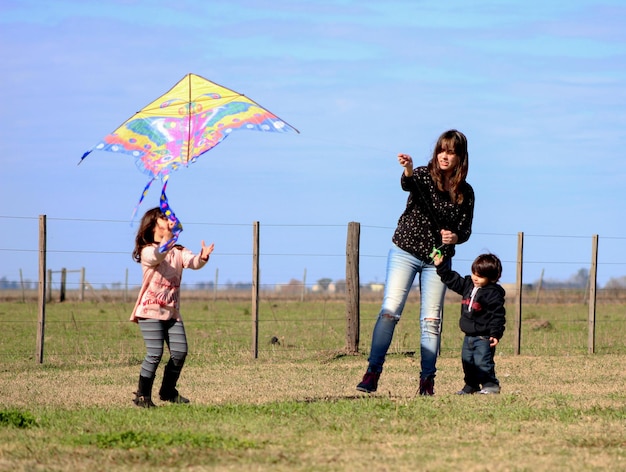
x=295, y=407
x=100, y=332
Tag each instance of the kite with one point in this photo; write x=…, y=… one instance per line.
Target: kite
x=173, y=131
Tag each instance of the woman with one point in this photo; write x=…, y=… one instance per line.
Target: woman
x=438, y=215
x=157, y=308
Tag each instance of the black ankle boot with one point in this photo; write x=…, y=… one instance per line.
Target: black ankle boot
x=168, y=392
x=143, y=395
x=369, y=384
x=427, y=386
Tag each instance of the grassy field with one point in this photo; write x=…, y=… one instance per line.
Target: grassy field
x=296, y=407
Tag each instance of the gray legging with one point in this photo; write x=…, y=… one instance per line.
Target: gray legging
x=154, y=333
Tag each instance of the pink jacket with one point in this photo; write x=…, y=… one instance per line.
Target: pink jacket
x=159, y=297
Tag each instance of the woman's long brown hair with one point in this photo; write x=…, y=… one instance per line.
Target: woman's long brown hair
x=457, y=141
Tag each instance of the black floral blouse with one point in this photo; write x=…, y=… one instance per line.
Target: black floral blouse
x=427, y=212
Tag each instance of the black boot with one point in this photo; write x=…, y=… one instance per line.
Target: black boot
x=427, y=386
x=168, y=392
x=369, y=384
x=143, y=395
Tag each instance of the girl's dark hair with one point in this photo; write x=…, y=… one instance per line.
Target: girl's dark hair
x=145, y=233
x=451, y=139
x=488, y=266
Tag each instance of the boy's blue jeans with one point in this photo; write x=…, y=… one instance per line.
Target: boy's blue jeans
x=478, y=362
x=402, y=268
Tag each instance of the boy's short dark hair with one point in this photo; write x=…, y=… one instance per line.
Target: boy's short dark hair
x=488, y=266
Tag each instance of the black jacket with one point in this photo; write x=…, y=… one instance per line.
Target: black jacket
x=486, y=315
x=427, y=212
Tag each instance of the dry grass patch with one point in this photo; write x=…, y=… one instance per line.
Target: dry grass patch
x=554, y=414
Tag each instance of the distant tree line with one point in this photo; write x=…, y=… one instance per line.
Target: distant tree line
x=581, y=280
x=6, y=284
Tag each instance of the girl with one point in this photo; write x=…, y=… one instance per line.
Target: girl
x=438, y=215
x=157, y=307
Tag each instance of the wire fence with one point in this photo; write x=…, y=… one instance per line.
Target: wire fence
x=302, y=284
x=290, y=254
x=99, y=333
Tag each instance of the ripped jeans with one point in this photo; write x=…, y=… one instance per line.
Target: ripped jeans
x=402, y=268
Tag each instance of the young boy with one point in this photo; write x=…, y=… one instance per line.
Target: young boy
x=482, y=319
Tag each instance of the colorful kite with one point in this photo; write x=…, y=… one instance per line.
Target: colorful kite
x=181, y=125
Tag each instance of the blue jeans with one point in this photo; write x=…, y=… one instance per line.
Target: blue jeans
x=402, y=268
x=478, y=364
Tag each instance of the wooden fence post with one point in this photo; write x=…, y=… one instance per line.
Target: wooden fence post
x=538, y=292
x=81, y=293
x=23, y=288
x=63, y=281
x=125, y=285
x=41, y=320
x=593, y=280
x=303, y=292
x=217, y=276
x=255, y=291
x=49, y=284
x=517, y=342
x=352, y=288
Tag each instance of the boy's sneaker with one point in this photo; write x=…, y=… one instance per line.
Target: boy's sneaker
x=369, y=384
x=467, y=390
x=490, y=390
x=427, y=386
x=143, y=401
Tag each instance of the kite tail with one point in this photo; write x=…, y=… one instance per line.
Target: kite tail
x=167, y=211
x=143, y=195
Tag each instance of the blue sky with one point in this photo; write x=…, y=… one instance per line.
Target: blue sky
x=538, y=87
